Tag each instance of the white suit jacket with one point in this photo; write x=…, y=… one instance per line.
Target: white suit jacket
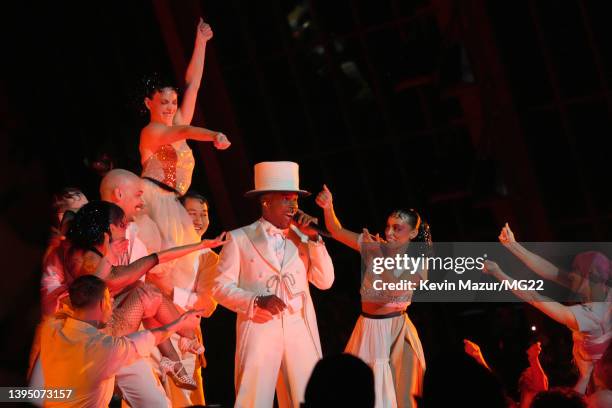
x=247, y=268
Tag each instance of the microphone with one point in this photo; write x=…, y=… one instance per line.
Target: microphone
x=315, y=227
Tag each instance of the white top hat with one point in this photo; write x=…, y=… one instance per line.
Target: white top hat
x=276, y=176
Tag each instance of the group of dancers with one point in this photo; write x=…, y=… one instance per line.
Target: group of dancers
x=143, y=241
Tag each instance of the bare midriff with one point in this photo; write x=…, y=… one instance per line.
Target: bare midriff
x=381, y=308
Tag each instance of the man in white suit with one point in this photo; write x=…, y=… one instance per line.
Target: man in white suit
x=263, y=275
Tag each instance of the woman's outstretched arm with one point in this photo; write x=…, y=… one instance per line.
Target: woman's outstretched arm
x=193, y=76
x=536, y=263
x=155, y=135
x=121, y=276
x=552, y=309
x=332, y=223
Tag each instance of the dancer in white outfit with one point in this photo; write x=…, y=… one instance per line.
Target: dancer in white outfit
x=194, y=295
x=384, y=337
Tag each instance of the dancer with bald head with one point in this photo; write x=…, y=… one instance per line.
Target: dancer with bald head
x=125, y=189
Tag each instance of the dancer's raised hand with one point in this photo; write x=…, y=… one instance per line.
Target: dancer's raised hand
x=324, y=198
x=506, y=235
x=204, y=32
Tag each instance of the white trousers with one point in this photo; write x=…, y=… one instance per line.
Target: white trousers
x=391, y=347
x=277, y=354
x=140, y=387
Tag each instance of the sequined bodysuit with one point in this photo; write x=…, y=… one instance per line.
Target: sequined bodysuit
x=172, y=165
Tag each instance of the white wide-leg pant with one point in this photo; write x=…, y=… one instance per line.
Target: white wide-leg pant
x=391, y=347
x=277, y=354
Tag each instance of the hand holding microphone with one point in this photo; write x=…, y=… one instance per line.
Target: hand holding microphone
x=309, y=225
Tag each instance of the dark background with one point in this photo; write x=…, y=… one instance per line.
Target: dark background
x=475, y=112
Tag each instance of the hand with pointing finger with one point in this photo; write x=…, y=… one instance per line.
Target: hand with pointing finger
x=324, y=198
x=506, y=235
